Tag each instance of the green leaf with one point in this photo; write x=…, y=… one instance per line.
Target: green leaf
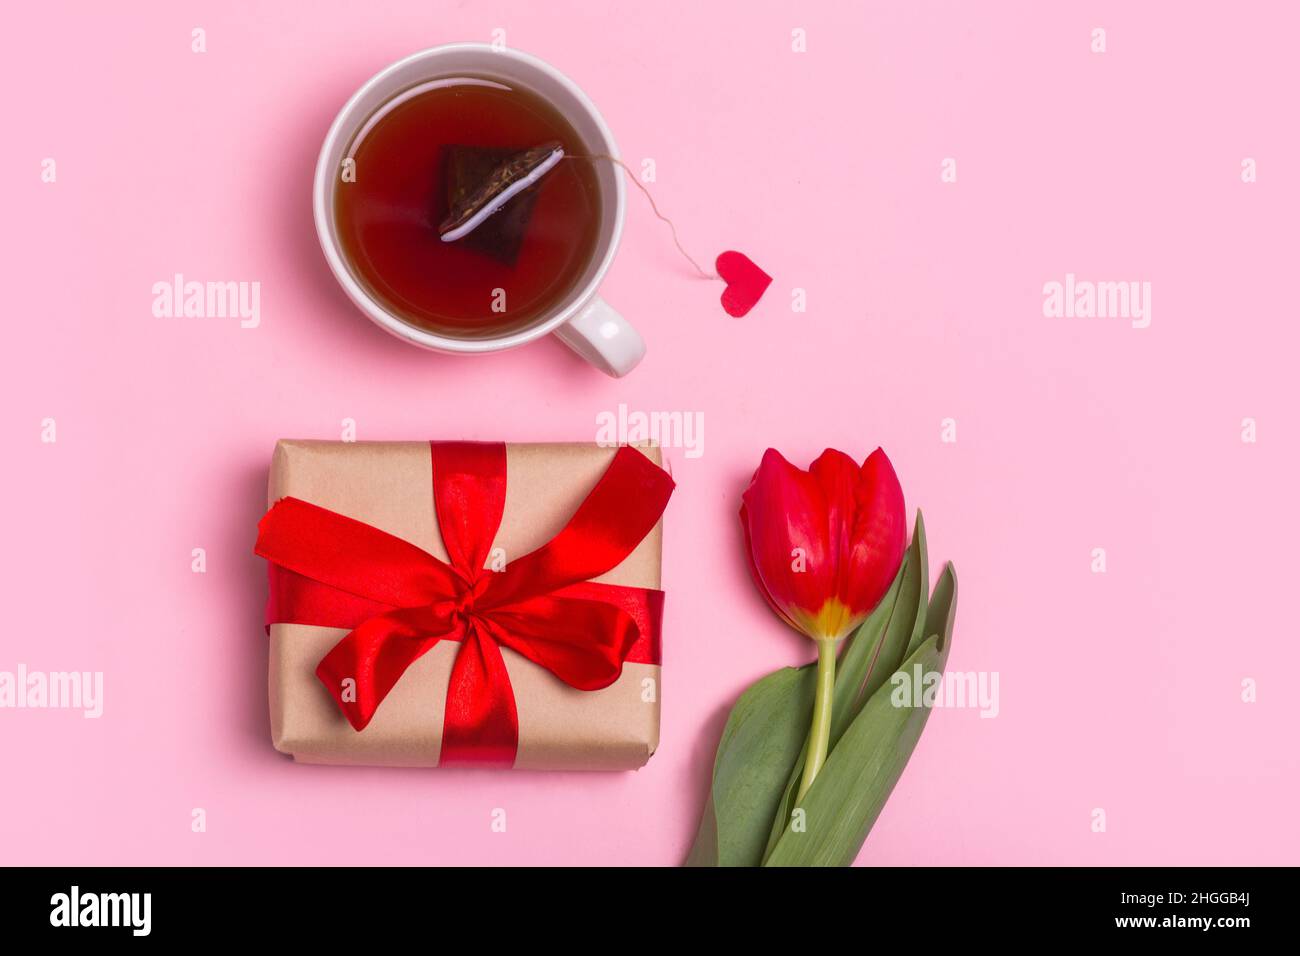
x=905, y=621
x=942, y=613
x=863, y=768
x=758, y=747
x=873, y=654
x=849, y=793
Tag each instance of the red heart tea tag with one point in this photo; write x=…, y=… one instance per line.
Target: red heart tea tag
x=746, y=282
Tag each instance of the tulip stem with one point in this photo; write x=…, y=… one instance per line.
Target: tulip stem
x=819, y=738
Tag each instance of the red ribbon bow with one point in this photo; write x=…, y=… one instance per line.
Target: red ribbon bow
x=330, y=570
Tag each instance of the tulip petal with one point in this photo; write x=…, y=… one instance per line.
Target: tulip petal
x=879, y=535
x=785, y=521
x=753, y=570
x=838, y=476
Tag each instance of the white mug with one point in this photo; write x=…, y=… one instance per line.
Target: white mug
x=582, y=320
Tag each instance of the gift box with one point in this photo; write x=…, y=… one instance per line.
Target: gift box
x=465, y=603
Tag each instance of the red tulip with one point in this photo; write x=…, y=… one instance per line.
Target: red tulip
x=824, y=544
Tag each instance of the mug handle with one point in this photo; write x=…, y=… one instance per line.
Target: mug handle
x=604, y=338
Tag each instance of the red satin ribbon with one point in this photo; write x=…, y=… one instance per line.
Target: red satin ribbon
x=399, y=601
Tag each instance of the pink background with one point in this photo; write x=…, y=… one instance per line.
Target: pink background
x=1119, y=691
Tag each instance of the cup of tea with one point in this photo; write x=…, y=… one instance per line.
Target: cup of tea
x=427, y=132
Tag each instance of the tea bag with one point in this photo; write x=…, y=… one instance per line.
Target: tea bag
x=490, y=195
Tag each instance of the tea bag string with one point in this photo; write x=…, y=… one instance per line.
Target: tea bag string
x=637, y=183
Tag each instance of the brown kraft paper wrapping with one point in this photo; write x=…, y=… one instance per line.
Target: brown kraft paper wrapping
x=389, y=485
